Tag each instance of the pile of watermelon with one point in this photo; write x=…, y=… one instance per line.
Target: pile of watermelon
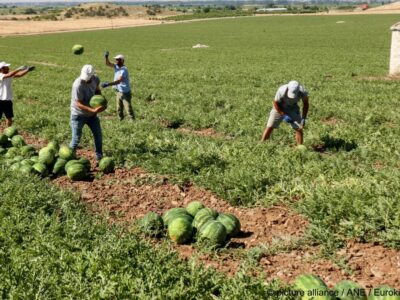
x=308, y=286
x=52, y=160
x=193, y=223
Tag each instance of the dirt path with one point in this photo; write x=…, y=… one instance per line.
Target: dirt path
x=128, y=194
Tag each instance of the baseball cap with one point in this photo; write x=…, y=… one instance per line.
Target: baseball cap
x=293, y=89
x=4, y=64
x=119, y=56
x=87, y=72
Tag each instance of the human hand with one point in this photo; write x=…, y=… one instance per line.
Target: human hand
x=287, y=119
x=99, y=109
x=31, y=68
x=106, y=54
x=104, y=85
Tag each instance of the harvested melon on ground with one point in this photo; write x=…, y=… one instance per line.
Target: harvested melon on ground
x=348, y=290
x=231, y=223
x=174, y=213
x=194, y=207
x=107, y=165
x=10, y=131
x=66, y=153
x=76, y=171
x=213, y=234
x=203, y=216
x=180, y=230
x=313, y=287
x=151, y=224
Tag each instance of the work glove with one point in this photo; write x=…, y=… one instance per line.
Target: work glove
x=31, y=68
x=287, y=119
x=106, y=54
x=303, y=122
x=104, y=85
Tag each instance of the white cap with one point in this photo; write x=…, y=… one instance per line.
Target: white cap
x=87, y=72
x=293, y=89
x=119, y=56
x=4, y=64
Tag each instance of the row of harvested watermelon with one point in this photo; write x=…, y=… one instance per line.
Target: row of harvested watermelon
x=309, y=287
x=51, y=160
x=195, y=222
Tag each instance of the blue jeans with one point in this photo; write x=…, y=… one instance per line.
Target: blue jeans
x=77, y=123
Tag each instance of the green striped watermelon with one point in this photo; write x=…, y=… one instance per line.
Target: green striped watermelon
x=313, y=287
x=174, y=213
x=76, y=171
x=66, y=153
x=151, y=224
x=10, y=131
x=203, y=216
x=231, y=223
x=107, y=165
x=180, y=230
x=213, y=233
x=194, y=207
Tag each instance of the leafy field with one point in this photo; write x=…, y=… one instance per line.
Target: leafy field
x=350, y=189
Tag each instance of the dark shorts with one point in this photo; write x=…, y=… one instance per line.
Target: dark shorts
x=6, y=107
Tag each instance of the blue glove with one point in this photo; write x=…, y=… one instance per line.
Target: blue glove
x=287, y=119
x=106, y=54
x=104, y=84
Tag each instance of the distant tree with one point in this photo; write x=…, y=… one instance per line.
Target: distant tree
x=206, y=10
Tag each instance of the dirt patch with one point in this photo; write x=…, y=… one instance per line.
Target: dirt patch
x=332, y=121
x=208, y=132
x=375, y=78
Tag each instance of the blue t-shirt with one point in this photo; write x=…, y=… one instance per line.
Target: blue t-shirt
x=83, y=91
x=123, y=86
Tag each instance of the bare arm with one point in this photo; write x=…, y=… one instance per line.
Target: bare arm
x=306, y=105
x=108, y=63
x=278, y=108
x=118, y=81
x=21, y=73
x=12, y=74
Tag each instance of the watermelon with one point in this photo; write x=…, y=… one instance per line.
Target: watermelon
x=213, y=233
x=203, y=216
x=40, y=169
x=98, y=100
x=66, y=153
x=2, y=151
x=301, y=148
x=70, y=163
x=3, y=140
x=26, y=169
x=59, y=167
x=86, y=162
x=77, y=49
x=11, y=152
x=17, y=141
x=15, y=166
x=10, y=131
x=173, y=213
x=27, y=151
x=76, y=171
x=313, y=287
x=231, y=223
x=348, y=290
x=193, y=207
x=46, y=156
x=384, y=292
x=151, y=224
x=26, y=162
x=18, y=158
x=180, y=230
x=107, y=165
x=53, y=145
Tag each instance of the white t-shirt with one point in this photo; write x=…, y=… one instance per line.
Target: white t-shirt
x=284, y=101
x=5, y=88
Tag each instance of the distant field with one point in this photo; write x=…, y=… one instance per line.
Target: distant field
x=348, y=191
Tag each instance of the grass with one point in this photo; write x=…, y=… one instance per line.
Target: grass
x=229, y=87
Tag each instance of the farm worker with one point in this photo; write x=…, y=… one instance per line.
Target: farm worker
x=285, y=107
x=6, y=94
x=83, y=89
x=121, y=85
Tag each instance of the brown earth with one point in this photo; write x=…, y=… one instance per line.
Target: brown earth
x=128, y=194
